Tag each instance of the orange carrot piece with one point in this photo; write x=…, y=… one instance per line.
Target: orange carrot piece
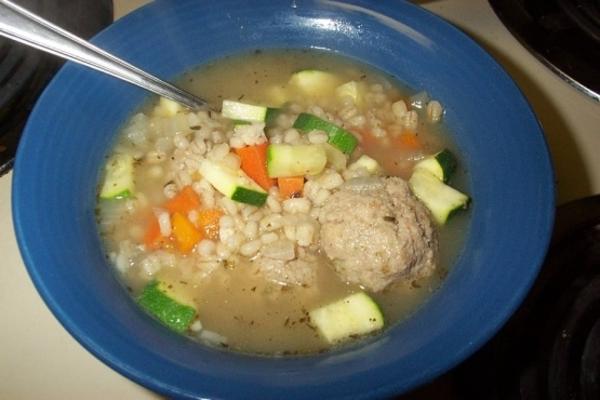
x=409, y=141
x=185, y=234
x=254, y=164
x=290, y=187
x=208, y=220
x=153, y=239
x=183, y=202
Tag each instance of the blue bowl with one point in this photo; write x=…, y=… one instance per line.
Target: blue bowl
x=75, y=123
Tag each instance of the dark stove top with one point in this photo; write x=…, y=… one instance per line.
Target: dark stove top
x=550, y=348
x=24, y=72
x=563, y=34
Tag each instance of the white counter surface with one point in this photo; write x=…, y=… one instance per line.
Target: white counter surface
x=39, y=359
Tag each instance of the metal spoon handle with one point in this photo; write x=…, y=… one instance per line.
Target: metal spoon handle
x=18, y=24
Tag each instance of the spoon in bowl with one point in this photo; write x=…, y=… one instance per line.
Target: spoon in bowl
x=18, y=24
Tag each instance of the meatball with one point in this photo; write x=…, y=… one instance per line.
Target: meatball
x=376, y=232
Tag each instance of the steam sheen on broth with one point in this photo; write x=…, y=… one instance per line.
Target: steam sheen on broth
x=246, y=298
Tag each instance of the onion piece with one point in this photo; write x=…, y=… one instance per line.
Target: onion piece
x=419, y=100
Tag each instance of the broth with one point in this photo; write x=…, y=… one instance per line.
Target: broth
x=239, y=308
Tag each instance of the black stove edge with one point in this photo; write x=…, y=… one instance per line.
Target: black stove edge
x=499, y=11
x=82, y=17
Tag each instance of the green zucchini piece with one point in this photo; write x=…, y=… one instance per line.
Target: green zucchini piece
x=442, y=165
x=167, y=107
x=277, y=95
x=313, y=82
x=248, y=196
x=243, y=112
x=234, y=184
x=357, y=314
x=338, y=137
x=352, y=89
x=284, y=160
x=118, y=178
x=441, y=199
x=272, y=113
x=335, y=158
x=160, y=301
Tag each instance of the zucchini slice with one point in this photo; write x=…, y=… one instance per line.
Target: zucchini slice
x=441, y=199
x=234, y=184
x=338, y=137
x=366, y=162
x=313, y=82
x=352, y=89
x=442, y=165
x=118, y=178
x=335, y=158
x=167, y=107
x=162, y=301
x=284, y=160
x=244, y=112
x=357, y=314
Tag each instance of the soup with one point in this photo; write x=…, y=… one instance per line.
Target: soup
x=303, y=216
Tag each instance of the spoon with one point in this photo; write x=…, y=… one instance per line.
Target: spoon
x=18, y=24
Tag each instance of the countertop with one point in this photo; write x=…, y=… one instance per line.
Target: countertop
x=39, y=359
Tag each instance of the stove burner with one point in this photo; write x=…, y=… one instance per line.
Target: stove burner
x=563, y=34
x=585, y=13
x=550, y=348
x=24, y=72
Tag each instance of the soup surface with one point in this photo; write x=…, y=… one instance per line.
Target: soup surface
x=256, y=228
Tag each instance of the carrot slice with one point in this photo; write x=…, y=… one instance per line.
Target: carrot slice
x=409, y=141
x=153, y=239
x=208, y=220
x=254, y=164
x=290, y=187
x=185, y=234
x=183, y=202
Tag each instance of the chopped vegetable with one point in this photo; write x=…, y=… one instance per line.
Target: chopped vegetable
x=159, y=301
x=353, y=90
x=184, y=201
x=338, y=137
x=284, y=160
x=208, y=220
x=409, y=141
x=243, y=112
x=441, y=199
x=249, y=196
x=277, y=95
x=118, y=178
x=272, y=113
x=237, y=122
x=167, y=107
x=290, y=187
x=312, y=82
x=185, y=233
x=419, y=100
x=153, y=239
x=335, y=158
x=357, y=314
x=233, y=183
x=366, y=162
x=441, y=164
x=254, y=164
